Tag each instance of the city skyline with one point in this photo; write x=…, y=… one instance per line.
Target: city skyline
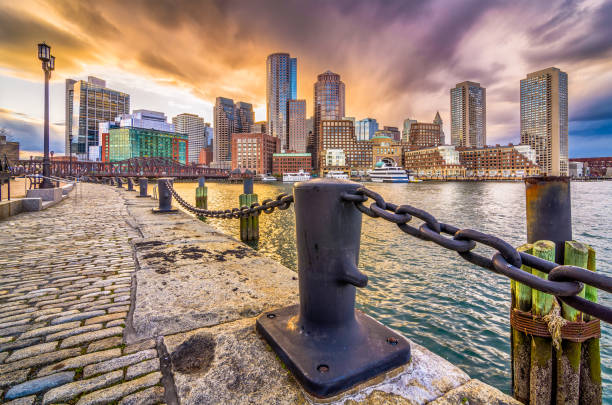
x=390, y=81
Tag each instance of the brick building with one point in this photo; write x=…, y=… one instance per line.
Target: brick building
x=291, y=163
x=205, y=157
x=439, y=161
x=424, y=135
x=340, y=134
x=499, y=161
x=386, y=148
x=10, y=149
x=254, y=152
x=596, y=166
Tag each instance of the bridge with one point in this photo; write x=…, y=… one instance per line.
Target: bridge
x=135, y=167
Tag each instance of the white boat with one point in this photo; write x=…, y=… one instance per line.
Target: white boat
x=299, y=176
x=265, y=178
x=337, y=174
x=386, y=173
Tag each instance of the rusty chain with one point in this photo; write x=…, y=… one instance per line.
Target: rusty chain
x=282, y=202
x=564, y=282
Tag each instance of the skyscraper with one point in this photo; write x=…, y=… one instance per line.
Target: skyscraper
x=406, y=129
x=88, y=103
x=245, y=117
x=193, y=126
x=468, y=115
x=224, y=114
x=281, y=86
x=328, y=105
x=544, y=119
x=365, y=129
x=296, y=113
x=438, y=120
x=229, y=118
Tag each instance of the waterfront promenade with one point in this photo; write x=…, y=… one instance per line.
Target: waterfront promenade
x=102, y=301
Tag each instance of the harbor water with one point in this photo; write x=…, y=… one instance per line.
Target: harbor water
x=455, y=309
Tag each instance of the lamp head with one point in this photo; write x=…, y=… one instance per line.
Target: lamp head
x=44, y=52
x=52, y=62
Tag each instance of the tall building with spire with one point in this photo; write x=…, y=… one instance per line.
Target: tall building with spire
x=281, y=86
x=544, y=119
x=328, y=105
x=438, y=120
x=468, y=104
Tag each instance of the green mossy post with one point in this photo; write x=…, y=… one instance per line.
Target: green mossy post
x=202, y=197
x=541, y=372
x=521, y=342
x=590, y=361
x=568, y=357
x=249, y=227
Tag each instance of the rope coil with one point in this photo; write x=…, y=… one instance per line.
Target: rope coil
x=533, y=325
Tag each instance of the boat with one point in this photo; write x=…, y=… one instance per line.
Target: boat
x=337, y=174
x=387, y=173
x=265, y=178
x=299, y=176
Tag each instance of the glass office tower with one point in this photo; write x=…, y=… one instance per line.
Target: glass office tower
x=469, y=115
x=544, y=119
x=281, y=86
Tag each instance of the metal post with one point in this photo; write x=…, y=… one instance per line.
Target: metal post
x=130, y=184
x=143, y=183
x=327, y=344
x=46, y=183
x=119, y=182
x=201, y=181
x=248, y=185
x=164, y=196
x=549, y=211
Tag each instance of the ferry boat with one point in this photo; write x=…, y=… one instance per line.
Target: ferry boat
x=299, y=176
x=265, y=178
x=337, y=174
x=386, y=173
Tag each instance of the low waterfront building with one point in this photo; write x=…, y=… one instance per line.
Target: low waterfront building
x=340, y=134
x=387, y=149
x=291, y=163
x=499, y=161
x=435, y=162
x=596, y=166
x=254, y=152
x=128, y=142
x=576, y=169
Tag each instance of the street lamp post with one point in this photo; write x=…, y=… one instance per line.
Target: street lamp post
x=48, y=65
x=70, y=154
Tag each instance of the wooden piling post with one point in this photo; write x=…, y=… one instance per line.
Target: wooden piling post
x=590, y=360
x=521, y=342
x=254, y=220
x=202, y=197
x=249, y=227
x=568, y=357
x=541, y=371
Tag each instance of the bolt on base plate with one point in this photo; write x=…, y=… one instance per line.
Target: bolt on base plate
x=325, y=365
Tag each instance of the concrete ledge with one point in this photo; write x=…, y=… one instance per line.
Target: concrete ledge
x=31, y=204
x=67, y=188
x=46, y=194
x=10, y=208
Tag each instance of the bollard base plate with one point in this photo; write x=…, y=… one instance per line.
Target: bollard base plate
x=143, y=196
x=170, y=211
x=326, y=366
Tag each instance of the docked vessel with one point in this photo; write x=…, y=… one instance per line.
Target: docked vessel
x=337, y=174
x=266, y=178
x=299, y=176
x=386, y=173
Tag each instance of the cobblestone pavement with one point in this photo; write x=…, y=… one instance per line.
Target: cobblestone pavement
x=65, y=283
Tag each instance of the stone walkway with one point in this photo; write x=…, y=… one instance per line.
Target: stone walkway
x=65, y=283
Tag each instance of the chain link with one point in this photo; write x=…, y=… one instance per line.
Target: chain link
x=565, y=282
x=282, y=202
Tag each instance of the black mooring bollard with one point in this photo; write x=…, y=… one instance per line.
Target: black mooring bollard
x=164, y=196
x=130, y=184
x=549, y=211
x=143, y=183
x=327, y=344
x=119, y=182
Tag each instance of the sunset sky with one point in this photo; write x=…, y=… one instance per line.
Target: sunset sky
x=398, y=59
